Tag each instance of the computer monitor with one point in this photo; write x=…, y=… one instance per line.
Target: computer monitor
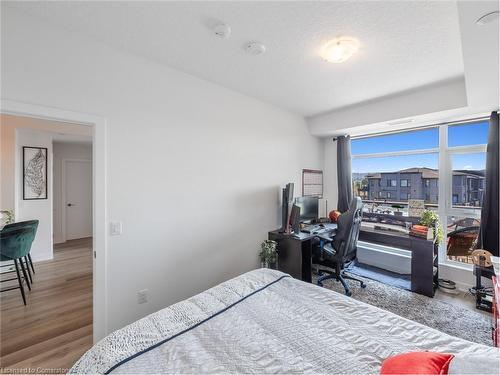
x=309, y=208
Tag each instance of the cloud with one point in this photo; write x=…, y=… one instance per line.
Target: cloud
x=467, y=167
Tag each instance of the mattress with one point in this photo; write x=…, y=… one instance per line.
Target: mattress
x=264, y=321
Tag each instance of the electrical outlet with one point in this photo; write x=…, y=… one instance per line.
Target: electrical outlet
x=142, y=296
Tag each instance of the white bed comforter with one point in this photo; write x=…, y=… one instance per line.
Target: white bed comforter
x=267, y=322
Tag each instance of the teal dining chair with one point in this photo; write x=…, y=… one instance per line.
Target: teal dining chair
x=33, y=224
x=14, y=245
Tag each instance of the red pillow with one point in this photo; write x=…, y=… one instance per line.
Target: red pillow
x=417, y=363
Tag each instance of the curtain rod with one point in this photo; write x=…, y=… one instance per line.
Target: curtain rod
x=418, y=128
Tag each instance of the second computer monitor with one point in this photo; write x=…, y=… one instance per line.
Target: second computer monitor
x=309, y=207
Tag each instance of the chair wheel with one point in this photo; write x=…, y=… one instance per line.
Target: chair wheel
x=363, y=285
x=348, y=294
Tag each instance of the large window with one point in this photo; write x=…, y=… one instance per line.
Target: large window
x=391, y=169
x=442, y=166
x=465, y=161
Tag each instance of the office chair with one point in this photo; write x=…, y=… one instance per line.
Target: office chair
x=340, y=251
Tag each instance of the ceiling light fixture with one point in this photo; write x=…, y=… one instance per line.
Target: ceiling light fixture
x=488, y=18
x=339, y=50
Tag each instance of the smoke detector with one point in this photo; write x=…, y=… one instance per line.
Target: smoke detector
x=255, y=48
x=222, y=30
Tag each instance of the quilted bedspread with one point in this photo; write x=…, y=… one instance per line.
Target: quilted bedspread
x=267, y=322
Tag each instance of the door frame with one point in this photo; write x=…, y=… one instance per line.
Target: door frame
x=64, y=235
x=99, y=188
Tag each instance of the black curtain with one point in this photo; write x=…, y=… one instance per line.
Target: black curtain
x=488, y=235
x=344, y=177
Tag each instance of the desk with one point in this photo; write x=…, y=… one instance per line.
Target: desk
x=424, y=262
x=295, y=251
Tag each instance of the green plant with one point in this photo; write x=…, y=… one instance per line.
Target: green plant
x=9, y=216
x=431, y=220
x=268, y=252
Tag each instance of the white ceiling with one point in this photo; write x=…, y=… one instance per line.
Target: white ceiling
x=403, y=44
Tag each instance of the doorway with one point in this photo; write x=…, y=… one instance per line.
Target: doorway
x=92, y=323
x=77, y=193
x=59, y=281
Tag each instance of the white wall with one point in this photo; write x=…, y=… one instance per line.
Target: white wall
x=64, y=150
x=40, y=209
x=193, y=168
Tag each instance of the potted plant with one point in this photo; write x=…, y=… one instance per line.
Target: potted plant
x=431, y=220
x=398, y=207
x=268, y=254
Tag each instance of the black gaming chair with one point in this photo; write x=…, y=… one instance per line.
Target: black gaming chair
x=340, y=251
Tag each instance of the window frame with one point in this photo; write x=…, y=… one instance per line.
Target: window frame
x=408, y=182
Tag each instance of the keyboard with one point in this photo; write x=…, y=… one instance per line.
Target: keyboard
x=312, y=228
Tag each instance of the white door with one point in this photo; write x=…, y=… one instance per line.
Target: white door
x=78, y=196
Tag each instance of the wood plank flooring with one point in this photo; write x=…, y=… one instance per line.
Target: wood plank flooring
x=55, y=328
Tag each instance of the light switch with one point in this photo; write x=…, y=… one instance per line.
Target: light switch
x=116, y=228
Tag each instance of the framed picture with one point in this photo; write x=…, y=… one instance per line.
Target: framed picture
x=34, y=173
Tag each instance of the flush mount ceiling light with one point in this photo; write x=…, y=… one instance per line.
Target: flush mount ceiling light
x=488, y=18
x=339, y=50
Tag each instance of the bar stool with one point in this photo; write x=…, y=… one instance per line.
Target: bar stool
x=33, y=224
x=14, y=245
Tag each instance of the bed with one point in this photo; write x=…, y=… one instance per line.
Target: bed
x=264, y=321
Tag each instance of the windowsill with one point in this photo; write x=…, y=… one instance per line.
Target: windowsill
x=457, y=265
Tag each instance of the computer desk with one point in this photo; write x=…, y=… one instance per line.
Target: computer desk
x=295, y=251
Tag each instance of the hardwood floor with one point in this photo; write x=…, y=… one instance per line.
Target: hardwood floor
x=55, y=328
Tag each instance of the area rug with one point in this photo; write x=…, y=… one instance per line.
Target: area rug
x=446, y=317
x=380, y=275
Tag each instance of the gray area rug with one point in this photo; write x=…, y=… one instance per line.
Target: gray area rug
x=450, y=318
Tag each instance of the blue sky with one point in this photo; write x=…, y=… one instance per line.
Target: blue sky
x=459, y=135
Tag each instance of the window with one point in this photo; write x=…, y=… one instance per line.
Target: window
x=468, y=134
x=466, y=165
x=468, y=174
x=410, y=171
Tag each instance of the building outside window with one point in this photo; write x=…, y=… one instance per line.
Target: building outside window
x=443, y=165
